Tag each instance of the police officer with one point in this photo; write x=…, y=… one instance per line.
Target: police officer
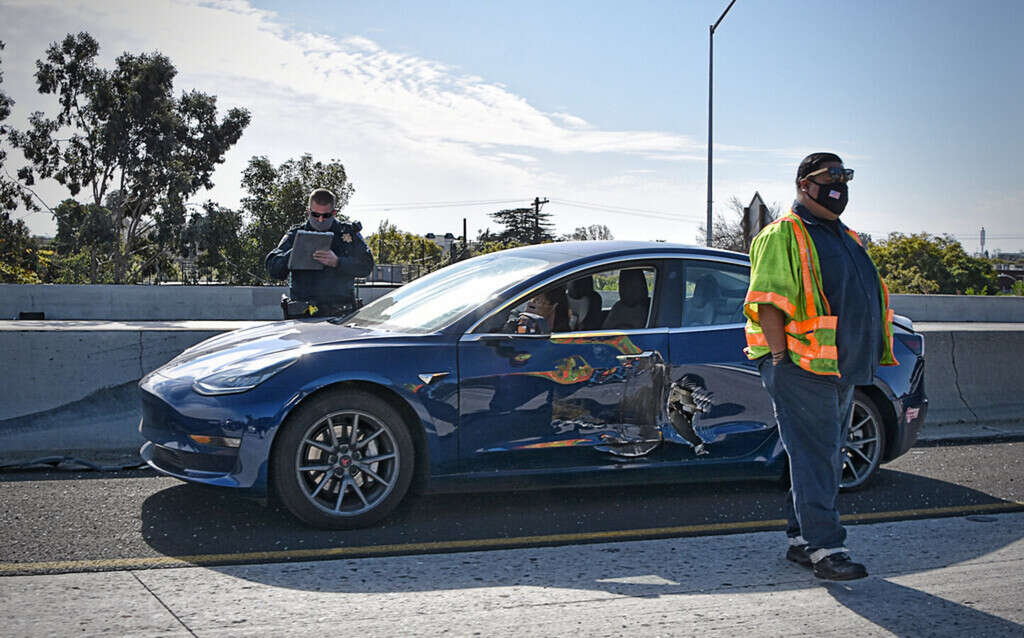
x=330, y=291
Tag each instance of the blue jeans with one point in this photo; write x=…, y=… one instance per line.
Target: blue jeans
x=813, y=413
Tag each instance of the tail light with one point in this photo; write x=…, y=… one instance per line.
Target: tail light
x=914, y=342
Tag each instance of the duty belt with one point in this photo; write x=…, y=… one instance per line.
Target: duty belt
x=300, y=309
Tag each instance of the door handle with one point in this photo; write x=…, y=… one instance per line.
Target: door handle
x=635, y=357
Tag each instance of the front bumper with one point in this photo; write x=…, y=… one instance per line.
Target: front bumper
x=172, y=412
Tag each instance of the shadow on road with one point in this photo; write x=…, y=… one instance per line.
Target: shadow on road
x=207, y=523
x=724, y=565
x=905, y=611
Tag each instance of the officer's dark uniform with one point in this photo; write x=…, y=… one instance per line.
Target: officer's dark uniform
x=331, y=290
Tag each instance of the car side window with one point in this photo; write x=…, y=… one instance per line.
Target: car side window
x=614, y=299
x=713, y=293
x=627, y=294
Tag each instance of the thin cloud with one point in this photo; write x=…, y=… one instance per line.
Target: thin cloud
x=426, y=100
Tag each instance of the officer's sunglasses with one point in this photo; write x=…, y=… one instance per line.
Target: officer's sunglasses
x=836, y=175
x=321, y=215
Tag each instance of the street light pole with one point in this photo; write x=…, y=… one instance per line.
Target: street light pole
x=711, y=62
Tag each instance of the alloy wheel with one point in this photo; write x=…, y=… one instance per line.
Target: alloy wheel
x=347, y=463
x=862, y=450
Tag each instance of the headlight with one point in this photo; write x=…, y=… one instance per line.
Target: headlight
x=245, y=375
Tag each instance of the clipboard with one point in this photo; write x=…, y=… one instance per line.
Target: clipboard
x=306, y=243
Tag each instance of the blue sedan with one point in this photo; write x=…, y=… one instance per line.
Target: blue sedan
x=466, y=379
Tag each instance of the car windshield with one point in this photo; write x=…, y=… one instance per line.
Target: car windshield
x=435, y=300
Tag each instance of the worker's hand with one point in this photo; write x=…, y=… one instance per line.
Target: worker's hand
x=326, y=257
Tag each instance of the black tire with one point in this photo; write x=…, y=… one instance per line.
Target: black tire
x=343, y=460
x=865, y=444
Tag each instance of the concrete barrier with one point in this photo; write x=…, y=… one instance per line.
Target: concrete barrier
x=973, y=372
x=154, y=303
x=247, y=303
x=69, y=387
x=959, y=308
x=75, y=389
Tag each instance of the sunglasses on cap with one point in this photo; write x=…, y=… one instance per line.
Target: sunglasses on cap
x=326, y=215
x=836, y=174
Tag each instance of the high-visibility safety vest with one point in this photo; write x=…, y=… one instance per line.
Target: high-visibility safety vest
x=811, y=329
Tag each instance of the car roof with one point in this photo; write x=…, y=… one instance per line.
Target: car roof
x=567, y=251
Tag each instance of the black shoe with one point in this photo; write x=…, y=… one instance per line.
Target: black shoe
x=839, y=567
x=798, y=554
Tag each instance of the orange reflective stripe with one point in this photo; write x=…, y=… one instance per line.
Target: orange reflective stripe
x=809, y=325
x=812, y=351
x=785, y=305
x=756, y=339
x=802, y=237
x=805, y=263
x=855, y=236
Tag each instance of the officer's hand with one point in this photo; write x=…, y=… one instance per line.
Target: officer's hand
x=326, y=257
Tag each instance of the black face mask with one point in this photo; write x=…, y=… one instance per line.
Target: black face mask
x=833, y=197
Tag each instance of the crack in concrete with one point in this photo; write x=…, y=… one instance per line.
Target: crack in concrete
x=956, y=375
x=163, y=604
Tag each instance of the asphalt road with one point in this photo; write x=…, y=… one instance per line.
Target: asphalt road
x=54, y=522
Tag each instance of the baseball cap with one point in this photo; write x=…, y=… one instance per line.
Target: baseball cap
x=813, y=162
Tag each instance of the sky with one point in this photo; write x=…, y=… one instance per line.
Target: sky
x=447, y=110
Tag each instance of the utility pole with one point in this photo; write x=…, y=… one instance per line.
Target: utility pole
x=537, y=201
x=463, y=237
x=711, y=60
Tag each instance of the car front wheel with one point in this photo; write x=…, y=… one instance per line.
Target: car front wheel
x=864, y=445
x=343, y=460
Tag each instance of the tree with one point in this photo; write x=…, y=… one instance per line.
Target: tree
x=11, y=193
x=588, y=233
x=121, y=136
x=524, y=226
x=728, y=234
x=927, y=264
x=390, y=245
x=214, y=237
x=277, y=198
x=19, y=252
x=86, y=241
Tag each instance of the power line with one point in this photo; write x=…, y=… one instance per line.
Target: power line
x=419, y=205
x=622, y=210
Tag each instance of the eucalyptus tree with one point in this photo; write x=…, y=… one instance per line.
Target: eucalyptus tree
x=123, y=138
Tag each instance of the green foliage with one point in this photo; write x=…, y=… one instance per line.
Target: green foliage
x=606, y=282
x=927, y=264
x=85, y=243
x=492, y=246
x=122, y=137
x=277, y=198
x=1017, y=289
x=523, y=226
x=19, y=252
x=390, y=245
x=12, y=194
x=588, y=233
x=214, y=238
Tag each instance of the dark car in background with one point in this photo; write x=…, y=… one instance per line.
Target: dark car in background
x=428, y=385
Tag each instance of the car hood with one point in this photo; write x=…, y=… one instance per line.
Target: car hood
x=269, y=340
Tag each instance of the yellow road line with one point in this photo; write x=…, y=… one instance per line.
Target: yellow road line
x=199, y=560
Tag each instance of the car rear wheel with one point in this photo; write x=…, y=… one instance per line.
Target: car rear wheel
x=865, y=443
x=344, y=460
